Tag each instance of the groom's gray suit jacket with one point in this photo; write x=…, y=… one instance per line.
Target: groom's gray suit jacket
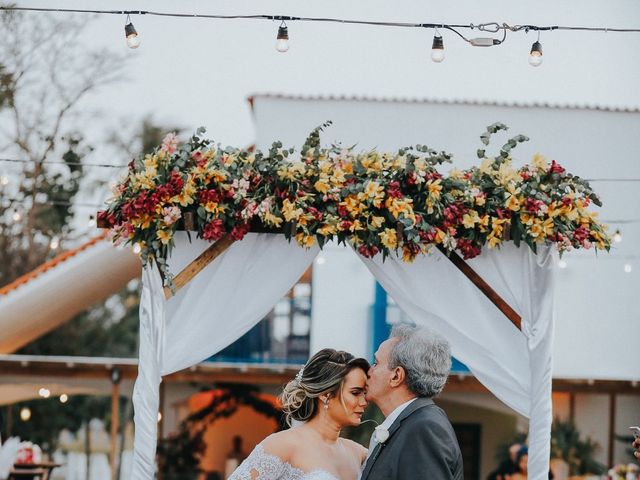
x=421, y=444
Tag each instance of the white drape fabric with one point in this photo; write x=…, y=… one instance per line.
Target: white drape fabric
x=514, y=365
x=215, y=308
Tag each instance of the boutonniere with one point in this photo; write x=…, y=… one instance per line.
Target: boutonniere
x=381, y=434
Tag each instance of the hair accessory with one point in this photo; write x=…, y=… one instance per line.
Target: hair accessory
x=299, y=376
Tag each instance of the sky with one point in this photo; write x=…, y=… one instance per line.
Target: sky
x=192, y=72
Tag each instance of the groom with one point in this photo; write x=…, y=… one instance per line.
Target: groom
x=416, y=439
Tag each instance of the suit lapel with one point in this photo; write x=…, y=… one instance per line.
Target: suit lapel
x=415, y=405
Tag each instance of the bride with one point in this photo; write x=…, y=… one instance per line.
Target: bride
x=326, y=395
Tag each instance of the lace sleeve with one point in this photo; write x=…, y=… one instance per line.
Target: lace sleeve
x=261, y=466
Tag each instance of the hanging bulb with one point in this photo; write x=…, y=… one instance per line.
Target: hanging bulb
x=282, y=40
x=437, y=49
x=617, y=237
x=4, y=180
x=535, y=57
x=628, y=268
x=16, y=216
x=55, y=243
x=562, y=264
x=133, y=39
x=25, y=414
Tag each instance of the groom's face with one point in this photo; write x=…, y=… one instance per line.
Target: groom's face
x=379, y=375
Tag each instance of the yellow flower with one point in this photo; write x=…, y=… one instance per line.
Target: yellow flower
x=540, y=162
x=470, y=219
x=483, y=223
x=456, y=174
x=396, y=206
x=480, y=200
x=513, y=203
x=290, y=211
x=214, y=207
x=494, y=240
x=353, y=205
x=526, y=219
x=376, y=222
x=373, y=191
x=327, y=229
x=185, y=197
x=435, y=188
x=321, y=186
x=305, y=240
x=389, y=238
x=270, y=219
x=548, y=227
x=407, y=255
x=164, y=236
x=337, y=179
x=536, y=232
x=486, y=166
x=507, y=174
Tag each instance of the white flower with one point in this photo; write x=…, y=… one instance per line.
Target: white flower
x=381, y=434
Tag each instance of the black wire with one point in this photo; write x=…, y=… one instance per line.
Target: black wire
x=492, y=27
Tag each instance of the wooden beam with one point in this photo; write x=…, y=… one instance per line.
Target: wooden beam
x=115, y=422
x=612, y=427
x=484, y=287
x=195, y=267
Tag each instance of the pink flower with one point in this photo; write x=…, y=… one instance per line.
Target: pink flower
x=555, y=167
x=169, y=143
x=171, y=215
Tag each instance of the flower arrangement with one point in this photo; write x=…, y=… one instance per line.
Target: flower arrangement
x=29, y=452
x=621, y=471
x=377, y=202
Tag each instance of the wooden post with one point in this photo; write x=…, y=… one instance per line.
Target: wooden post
x=115, y=421
x=612, y=427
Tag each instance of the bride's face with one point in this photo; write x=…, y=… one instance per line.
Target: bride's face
x=347, y=407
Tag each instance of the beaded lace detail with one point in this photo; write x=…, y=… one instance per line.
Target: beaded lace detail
x=261, y=465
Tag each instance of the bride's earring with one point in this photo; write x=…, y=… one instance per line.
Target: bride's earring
x=326, y=403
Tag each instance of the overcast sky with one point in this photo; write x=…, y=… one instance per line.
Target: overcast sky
x=193, y=72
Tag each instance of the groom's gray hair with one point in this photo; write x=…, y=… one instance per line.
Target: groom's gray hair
x=425, y=357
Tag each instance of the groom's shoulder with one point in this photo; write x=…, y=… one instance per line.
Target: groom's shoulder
x=429, y=414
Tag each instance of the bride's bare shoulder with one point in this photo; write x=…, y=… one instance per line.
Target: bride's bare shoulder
x=282, y=444
x=358, y=450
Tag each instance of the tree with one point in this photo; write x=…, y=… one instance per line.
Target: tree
x=45, y=74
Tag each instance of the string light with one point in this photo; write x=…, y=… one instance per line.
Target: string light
x=282, y=39
x=137, y=248
x=628, y=268
x=44, y=392
x=130, y=33
x=4, y=180
x=55, y=243
x=562, y=264
x=25, y=414
x=16, y=216
x=437, y=48
x=535, y=56
x=64, y=398
x=617, y=237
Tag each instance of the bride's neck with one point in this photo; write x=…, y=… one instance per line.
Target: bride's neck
x=328, y=429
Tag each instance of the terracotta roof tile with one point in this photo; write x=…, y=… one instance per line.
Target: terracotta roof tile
x=27, y=277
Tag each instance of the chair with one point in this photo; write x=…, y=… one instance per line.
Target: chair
x=29, y=474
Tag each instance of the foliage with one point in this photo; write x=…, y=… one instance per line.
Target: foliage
x=377, y=202
x=578, y=453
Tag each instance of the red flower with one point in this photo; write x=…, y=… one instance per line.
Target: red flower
x=532, y=205
x=467, y=248
x=213, y=230
x=393, y=190
x=368, y=252
x=556, y=168
x=239, y=231
x=581, y=233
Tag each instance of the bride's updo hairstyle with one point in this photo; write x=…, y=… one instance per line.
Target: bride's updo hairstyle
x=324, y=373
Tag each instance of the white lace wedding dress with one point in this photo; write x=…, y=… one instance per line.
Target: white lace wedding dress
x=262, y=466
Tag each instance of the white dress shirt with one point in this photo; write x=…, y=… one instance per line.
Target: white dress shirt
x=386, y=425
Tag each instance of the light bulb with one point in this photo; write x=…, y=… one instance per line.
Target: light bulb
x=55, y=243
x=137, y=248
x=628, y=268
x=321, y=260
x=562, y=264
x=133, y=39
x=437, y=49
x=91, y=223
x=25, y=414
x=159, y=416
x=617, y=237
x=64, y=398
x=16, y=216
x=282, y=40
x=4, y=180
x=535, y=56
x=44, y=392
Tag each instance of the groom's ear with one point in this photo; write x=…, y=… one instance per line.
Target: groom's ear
x=398, y=377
